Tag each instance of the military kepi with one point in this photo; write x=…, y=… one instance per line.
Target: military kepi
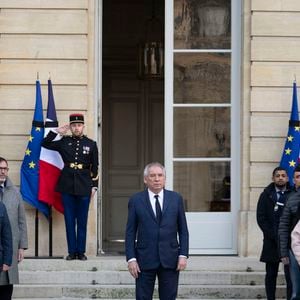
x=76, y=118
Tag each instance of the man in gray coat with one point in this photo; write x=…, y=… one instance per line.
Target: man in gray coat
x=13, y=202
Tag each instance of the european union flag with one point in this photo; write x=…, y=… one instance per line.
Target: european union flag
x=30, y=166
x=290, y=155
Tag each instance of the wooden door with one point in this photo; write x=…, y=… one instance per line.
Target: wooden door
x=133, y=135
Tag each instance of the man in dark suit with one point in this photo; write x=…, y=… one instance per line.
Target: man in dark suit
x=78, y=180
x=269, y=210
x=157, y=238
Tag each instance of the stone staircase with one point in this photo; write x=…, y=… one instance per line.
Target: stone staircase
x=106, y=277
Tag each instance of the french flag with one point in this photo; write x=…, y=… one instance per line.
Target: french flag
x=51, y=162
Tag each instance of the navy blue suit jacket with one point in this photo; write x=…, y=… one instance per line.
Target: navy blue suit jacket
x=151, y=243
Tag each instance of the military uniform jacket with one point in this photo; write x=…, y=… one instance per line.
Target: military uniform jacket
x=75, y=151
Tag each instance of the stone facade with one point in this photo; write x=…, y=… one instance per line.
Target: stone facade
x=49, y=38
x=271, y=63
x=58, y=38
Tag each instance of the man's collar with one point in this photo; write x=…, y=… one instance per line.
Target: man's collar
x=160, y=194
x=280, y=190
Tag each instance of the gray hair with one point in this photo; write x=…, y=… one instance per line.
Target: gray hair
x=154, y=164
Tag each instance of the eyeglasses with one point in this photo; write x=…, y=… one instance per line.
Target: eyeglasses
x=5, y=169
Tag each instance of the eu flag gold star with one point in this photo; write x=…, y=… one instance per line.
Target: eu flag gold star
x=31, y=138
x=288, y=151
x=290, y=138
x=31, y=165
x=27, y=152
x=292, y=163
x=297, y=128
x=38, y=129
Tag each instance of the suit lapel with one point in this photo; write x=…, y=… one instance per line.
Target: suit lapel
x=166, y=201
x=148, y=204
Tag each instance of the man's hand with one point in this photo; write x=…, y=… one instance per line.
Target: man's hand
x=134, y=269
x=20, y=255
x=62, y=130
x=182, y=262
x=285, y=260
x=5, y=267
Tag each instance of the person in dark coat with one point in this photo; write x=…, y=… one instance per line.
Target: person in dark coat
x=13, y=202
x=269, y=210
x=157, y=238
x=6, y=253
x=289, y=219
x=78, y=181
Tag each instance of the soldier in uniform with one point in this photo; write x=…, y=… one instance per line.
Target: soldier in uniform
x=78, y=181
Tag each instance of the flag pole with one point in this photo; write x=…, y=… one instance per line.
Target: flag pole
x=50, y=230
x=36, y=246
x=46, y=187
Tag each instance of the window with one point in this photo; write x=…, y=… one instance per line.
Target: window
x=202, y=102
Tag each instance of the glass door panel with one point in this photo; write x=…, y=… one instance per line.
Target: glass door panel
x=202, y=85
x=202, y=24
x=202, y=77
x=205, y=186
x=202, y=132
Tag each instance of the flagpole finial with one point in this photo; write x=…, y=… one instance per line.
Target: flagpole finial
x=37, y=76
x=295, y=78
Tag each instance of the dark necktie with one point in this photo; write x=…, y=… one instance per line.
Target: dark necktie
x=157, y=209
x=281, y=198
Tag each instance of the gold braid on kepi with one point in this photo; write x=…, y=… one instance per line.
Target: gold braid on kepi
x=76, y=118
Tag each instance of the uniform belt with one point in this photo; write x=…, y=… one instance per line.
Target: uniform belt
x=77, y=166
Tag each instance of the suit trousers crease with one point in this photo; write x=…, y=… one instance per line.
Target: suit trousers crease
x=167, y=284
x=76, y=215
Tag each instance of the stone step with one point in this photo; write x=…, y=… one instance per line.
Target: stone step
x=128, y=291
x=123, y=277
x=122, y=299
x=107, y=277
x=117, y=263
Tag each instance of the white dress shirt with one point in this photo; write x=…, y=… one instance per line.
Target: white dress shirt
x=153, y=199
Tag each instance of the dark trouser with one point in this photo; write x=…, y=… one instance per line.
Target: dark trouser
x=167, y=284
x=271, y=277
x=295, y=276
x=76, y=214
x=6, y=291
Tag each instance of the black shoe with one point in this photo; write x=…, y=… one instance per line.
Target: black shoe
x=71, y=257
x=81, y=256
